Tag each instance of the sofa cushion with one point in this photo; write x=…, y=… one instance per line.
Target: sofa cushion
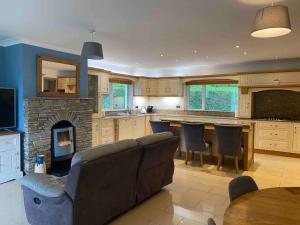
x=43, y=184
x=102, y=150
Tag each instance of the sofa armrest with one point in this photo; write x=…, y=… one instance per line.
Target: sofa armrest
x=46, y=185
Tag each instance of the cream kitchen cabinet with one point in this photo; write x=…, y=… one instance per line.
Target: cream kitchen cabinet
x=96, y=132
x=146, y=87
x=275, y=136
x=104, y=83
x=107, y=131
x=270, y=79
x=131, y=128
x=148, y=129
x=103, y=131
x=170, y=87
x=10, y=166
x=138, y=127
x=296, y=138
x=244, y=104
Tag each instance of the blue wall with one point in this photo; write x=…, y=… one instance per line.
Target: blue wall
x=30, y=54
x=2, y=69
x=13, y=77
x=19, y=71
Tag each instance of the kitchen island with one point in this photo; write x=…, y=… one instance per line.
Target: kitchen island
x=247, y=157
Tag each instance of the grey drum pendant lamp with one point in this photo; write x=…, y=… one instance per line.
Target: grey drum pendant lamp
x=272, y=21
x=91, y=49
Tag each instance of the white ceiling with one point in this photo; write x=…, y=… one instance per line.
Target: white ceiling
x=134, y=33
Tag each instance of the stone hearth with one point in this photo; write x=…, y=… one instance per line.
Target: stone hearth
x=41, y=113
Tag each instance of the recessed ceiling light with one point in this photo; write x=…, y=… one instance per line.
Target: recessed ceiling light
x=195, y=51
x=161, y=55
x=245, y=53
x=237, y=46
x=206, y=57
x=176, y=60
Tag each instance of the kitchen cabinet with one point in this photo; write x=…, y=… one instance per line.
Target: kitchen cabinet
x=104, y=83
x=96, y=132
x=244, y=104
x=170, y=87
x=66, y=84
x=10, y=166
x=131, y=128
x=148, y=129
x=275, y=136
x=107, y=131
x=296, y=138
x=270, y=79
x=103, y=131
x=146, y=87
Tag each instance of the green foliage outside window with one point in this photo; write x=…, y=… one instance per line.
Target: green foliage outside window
x=195, y=96
x=217, y=97
x=105, y=102
x=221, y=97
x=119, y=93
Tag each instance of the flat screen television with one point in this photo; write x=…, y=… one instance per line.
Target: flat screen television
x=7, y=108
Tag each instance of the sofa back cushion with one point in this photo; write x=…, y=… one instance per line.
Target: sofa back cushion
x=157, y=164
x=102, y=181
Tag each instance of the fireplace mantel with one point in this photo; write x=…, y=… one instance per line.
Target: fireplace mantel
x=41, y=113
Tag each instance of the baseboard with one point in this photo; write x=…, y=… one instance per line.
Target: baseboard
x=270, y=152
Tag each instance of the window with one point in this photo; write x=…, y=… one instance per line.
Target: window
x=117, y=98
x=212, y=97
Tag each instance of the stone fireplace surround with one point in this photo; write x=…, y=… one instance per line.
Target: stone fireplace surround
x=41, y=113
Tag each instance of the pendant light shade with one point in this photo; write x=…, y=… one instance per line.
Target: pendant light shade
x=272, y=21
x=91, y=49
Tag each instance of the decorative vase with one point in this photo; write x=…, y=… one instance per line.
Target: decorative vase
x=40, y=165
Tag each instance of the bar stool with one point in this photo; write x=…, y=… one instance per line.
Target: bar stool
x=229, y=143
x=160, y=126
x=193, y=134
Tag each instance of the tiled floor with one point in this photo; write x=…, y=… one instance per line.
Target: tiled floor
x=195, y=195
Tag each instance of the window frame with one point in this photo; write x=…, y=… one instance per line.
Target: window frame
x=203, y=95
x=110, y=94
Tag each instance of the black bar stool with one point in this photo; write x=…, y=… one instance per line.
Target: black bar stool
x=193, y=134
x=160, y=126
x=229, y=143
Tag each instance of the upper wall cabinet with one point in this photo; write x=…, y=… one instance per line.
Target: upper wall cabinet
x=170, y=87
x=270, y=79
x=158, y=87
x=57, y=77
x=146, y=87
x=104, y=83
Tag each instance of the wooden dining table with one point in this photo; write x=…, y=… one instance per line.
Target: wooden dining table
x=271, y=206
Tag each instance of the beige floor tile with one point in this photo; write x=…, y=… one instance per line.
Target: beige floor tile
x=195, y=195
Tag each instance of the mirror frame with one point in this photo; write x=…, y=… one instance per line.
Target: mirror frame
x=40, y=92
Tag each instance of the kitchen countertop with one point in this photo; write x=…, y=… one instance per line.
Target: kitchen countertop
x=195, y=118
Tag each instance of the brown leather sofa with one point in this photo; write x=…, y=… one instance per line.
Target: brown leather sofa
x=103, y=182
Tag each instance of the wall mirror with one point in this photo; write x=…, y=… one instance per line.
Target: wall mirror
x=57, y=77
